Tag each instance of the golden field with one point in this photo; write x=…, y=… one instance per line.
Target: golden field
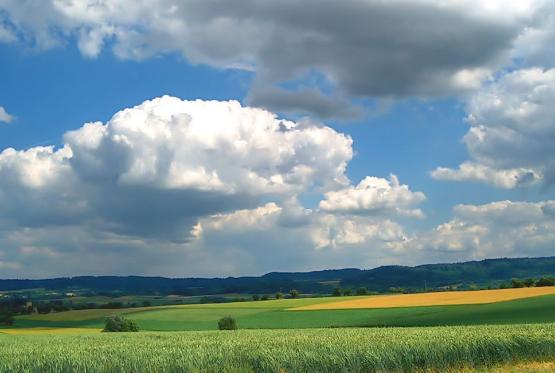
x=433, y=299
x=33, y=331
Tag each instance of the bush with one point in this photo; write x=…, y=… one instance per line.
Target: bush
x=294, y=294
x=227, y=323
x=362, y=291
x=336, y=292
x=279, y=295
x=347, y=292
x=119, y=324
x=111, y=305
x=545, y=281
x=44, y=308
x=255, y=297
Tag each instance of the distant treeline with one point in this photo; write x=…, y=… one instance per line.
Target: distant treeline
x=491, y=272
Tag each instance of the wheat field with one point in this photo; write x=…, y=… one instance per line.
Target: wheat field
x=353, y=350
x=433, y=299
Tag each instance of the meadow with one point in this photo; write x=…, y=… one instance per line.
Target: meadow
x=310, y=350
x=283, y=314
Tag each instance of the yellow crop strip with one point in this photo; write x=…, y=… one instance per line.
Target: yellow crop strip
x=433, y=299
x=35, y=331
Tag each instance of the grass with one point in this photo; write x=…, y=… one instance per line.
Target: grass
x=275, y=315
x=433, y=299
x=311, y=350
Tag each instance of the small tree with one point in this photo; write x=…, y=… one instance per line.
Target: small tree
x=336, y=292
x=347, y=292
x=264, y=297
x=529, y=282
x=44, y=308
x=362, y=291
x=294, y=293
x=227, y=323
x=255, y=297
x=279, y=295
x=119, y=324
x=515, y=283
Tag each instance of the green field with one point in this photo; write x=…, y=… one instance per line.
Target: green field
x=274, y=314
x=310, y=350
x=182, y=338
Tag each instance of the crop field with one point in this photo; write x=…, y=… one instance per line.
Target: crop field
x=311, y=350
x=433, y=299
x=278, y=314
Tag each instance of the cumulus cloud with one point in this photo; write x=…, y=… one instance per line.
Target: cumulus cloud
x=177, y=184
x=374, y=195
x=157, y=167
x=497, y=229
x=4, y=116
x=360, y=48
x=504, y=178
x=512, y=131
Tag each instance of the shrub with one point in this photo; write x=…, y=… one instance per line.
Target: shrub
x=546, y=281
x=44, y=308
x=279, y=295
x=264, y=297
x=111, y=305
x=347, y=292
x=119, y=324
x=294, y=293
x=336, y=292
x=255, y=297
x=227, y=323
x=362, y=291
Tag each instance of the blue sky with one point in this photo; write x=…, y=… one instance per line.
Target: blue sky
x=468, y=133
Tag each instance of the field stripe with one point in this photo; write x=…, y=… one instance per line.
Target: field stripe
x=433, y=299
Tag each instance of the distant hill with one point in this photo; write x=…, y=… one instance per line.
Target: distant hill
x=431, y=276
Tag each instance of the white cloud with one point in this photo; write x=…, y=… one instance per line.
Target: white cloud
x=179, y=185
x=502, y=178
x=4, y=116
x=156, y=168
x=497, y=229
x=209, y=146
x=511, y=139
x=374, y=196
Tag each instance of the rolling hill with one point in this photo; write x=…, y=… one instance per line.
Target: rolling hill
x=482, y=273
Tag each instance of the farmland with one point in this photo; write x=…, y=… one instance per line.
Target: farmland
x=295, y=335
x=433, y=299
x=285, y=313
x=311, y=350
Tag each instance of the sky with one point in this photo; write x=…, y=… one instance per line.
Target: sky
x=216, y=138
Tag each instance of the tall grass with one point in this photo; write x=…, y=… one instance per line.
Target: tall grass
x=309, y=350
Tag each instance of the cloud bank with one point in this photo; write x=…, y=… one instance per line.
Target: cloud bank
x=164, y=178
x=356, y=49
